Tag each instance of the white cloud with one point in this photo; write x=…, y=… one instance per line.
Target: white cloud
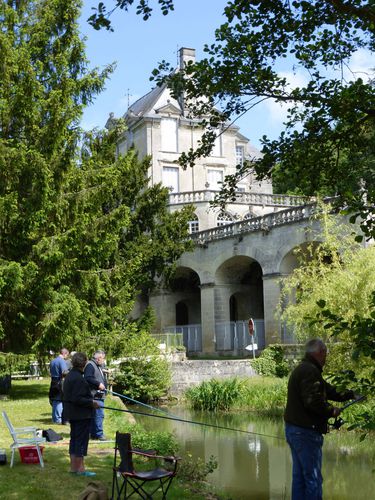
x=278, y=111
x=361, y=65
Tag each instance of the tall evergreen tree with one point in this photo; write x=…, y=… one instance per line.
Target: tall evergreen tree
x=80, y=232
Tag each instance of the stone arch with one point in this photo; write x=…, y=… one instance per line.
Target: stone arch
x=290, y=261
x=185, y=296
x=239, y=289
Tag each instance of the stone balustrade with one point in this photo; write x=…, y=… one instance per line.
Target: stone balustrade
x=242, y=198
x=262, y=223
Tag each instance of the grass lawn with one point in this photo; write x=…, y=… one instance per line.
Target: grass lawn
x=28, y=405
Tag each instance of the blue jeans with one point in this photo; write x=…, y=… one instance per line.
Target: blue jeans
x=96, y=430
x=306, y=447
x=57, y=409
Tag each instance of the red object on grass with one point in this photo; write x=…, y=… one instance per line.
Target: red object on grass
x=29, y=454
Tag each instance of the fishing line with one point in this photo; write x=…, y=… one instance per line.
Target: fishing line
x=139, y=403
x=168, y=416
x=177, y=419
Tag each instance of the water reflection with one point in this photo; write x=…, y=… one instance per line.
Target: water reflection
x=258, y=465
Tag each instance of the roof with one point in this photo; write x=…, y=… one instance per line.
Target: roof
x=145, y=103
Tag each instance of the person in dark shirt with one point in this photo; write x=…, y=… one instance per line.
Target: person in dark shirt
x=306, y=420
x=79, y=409
x=95, y=375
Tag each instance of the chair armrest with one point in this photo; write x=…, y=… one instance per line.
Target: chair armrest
x=37, y=440
x=171, y=458
x=19, y=430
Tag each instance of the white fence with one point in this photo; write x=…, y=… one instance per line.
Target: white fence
x=229, y=336
x=190, y=336
x=234, y=335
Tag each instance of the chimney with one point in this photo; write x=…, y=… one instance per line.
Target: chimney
x=186, y=55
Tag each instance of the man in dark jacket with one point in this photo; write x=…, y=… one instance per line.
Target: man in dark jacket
x=306, y=420
x=95, y=376
x=79, y=408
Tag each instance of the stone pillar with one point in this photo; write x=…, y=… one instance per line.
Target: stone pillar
x=208, y=317
x=271, y=295
x=222, y=295
x=164, y=308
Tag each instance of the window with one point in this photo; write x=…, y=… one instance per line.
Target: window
x=170, y=178
x=215, y=179
x=249, y=215
x=216, y=149
x=240, y=155
x=194, y=224
x=224, y=218
x=168, y=130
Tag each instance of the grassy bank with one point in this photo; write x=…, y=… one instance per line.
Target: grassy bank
x=263, y=395
x=27, y=405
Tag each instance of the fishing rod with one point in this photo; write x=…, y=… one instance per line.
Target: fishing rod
x=177, y=419
x=338, y=422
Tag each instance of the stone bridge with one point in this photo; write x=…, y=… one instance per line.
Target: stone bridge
x=233, y=274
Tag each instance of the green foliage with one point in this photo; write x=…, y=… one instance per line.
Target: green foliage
x=263, y=395
x=359, y=372
x=82, y=234
x=216, y=395
x=10, y=362
x=337, y=271
x=100, y=18
x=144, y=375
x=266, y=396
x=271, y=362
x=194, y=469
x=143, y=379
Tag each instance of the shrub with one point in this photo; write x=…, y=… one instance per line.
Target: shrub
x=10, y=362
x=216, y=395
x=194, y=469
x=271, y=362
x=143, y=378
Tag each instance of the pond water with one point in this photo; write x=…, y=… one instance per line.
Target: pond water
x=258, y=466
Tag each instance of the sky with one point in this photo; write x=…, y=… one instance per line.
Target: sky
x=137, y=46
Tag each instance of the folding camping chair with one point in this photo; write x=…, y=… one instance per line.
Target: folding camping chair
x=18, y=441
x=128, y=482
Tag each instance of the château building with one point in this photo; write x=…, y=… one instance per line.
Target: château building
x=241, y=252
